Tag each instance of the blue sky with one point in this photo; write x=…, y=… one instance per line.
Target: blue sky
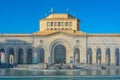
x=97, y=16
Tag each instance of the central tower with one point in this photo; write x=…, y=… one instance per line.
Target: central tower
x=58, y=22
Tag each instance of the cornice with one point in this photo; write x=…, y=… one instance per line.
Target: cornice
x=103, y=35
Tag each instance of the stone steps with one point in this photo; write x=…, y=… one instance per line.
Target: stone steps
x=33, y=66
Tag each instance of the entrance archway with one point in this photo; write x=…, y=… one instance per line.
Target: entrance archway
x=117, y=56
x=98, y=56
x=89, y=56
x=2, y=55
x=59, y=54
x=11, y=56
x=107, y=56
x=29, y=56
x=41, y=53
x=76, y=55
x=20, y=56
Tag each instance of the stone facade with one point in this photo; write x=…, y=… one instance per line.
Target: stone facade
x=60, y=40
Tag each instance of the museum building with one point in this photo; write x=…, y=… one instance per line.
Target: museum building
x=60, y=40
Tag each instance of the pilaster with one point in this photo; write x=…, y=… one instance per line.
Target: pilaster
x=112, y=57
x=15, y=56
x=93, y=56
x=6, y=56
x=103, y=56
x=25, y=57
x=46, y=55
x=119, y=56
x=69, y=54
x=35, y=57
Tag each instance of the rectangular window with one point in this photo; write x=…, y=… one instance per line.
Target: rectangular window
x=66, y=23
x=48, y=23
x=59, y=23
x=70, y=23
x=51, y=23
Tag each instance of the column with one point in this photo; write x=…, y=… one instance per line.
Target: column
x=6, y=57
x=119, y=56
x=35, y=60
x=82, y=56
x=25, y=57
x=69, y=54
x=49, y=61
x=46, y=56
x=112, y=57
x=103, y=55
x=15, y=56
x=93, y=56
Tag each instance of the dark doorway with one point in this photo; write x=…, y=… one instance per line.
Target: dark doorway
x=59, y=54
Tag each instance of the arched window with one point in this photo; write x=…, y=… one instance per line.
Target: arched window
x=2, y=55
x=89, y=56
x=76, y=55
x=11, y=56
x=20, y=56
x=41, y=55
x=117, y=56
x=29, y=56
x=107, y=56
x=98, y=56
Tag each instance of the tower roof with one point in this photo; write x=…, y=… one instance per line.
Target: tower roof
x=60, y=16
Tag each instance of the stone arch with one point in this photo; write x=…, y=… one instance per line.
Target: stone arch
x=98, y=48
x=99, y=56
x=29, y=55
x=76, y=55
x=2, y=55
x=107, y=56
x=60, y=41
x=117, y=56
x=59, y=54
x=11, y=55
x=117, y=47
x=89, y=55
x=41, y=54
x=20, y=55
x=108, y=47
x=82, y=56
x=56, y=43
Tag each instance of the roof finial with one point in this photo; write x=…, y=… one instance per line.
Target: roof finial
x=51, y=11
x=67, y=10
